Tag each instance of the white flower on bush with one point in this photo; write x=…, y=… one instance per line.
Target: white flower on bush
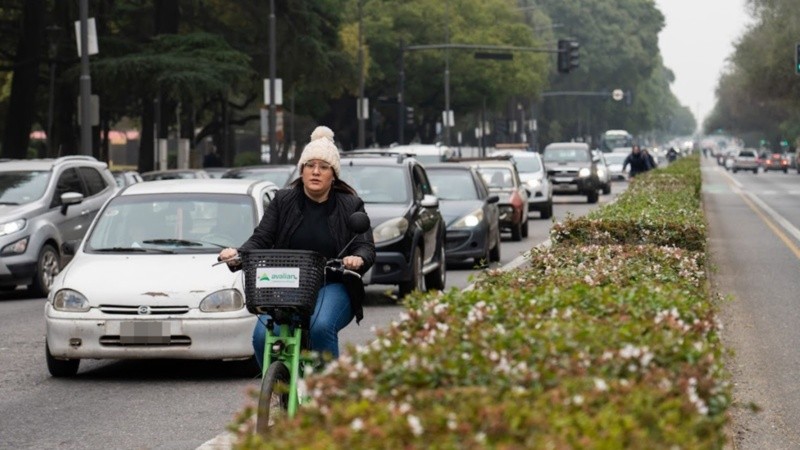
x=452, y=424
x=415, y=425
x=695, y=399
x=357, y=424
x=600, y=384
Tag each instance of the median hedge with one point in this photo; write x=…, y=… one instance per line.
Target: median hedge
x=604, y=340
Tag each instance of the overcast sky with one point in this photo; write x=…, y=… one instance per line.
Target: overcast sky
x=695, y=43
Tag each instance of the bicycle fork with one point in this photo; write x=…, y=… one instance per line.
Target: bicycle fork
x=285, y=347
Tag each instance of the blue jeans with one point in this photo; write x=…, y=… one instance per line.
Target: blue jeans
x=331, y=314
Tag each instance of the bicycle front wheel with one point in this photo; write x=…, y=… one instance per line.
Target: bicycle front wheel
x=274, y=399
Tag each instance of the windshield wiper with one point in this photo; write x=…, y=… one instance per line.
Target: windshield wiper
x=9, y=203
x=181, y=242
x=132, y=250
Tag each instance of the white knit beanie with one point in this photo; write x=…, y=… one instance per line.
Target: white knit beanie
x=321, y=147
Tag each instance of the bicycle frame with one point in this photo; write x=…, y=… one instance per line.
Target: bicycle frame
x=286, y=347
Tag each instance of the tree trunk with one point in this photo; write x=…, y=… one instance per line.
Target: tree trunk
x=26, y=79
x=146, y=150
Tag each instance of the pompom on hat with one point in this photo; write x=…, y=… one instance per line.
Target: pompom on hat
x=322, y=148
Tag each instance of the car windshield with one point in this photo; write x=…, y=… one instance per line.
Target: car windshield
x=615, y=158
x=747, y=154
x=277, y=176
x=565, y=154
x=453, y=184
x=177, y=222
x=377, y=184
x=497, y=177
x=527, y=164
x=24, y=186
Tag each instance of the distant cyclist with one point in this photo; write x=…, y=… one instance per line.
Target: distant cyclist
x=638, y=161
x=312, y=214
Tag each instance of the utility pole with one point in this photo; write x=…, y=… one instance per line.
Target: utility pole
x=273, y=110
x=85, y=82
x=360, y=109
x=447, y=74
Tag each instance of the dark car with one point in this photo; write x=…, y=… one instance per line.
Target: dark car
x=470, y=212
x=572, y=169
x=408, y=227
x=501, y=176
x=776, y=161
x=280, y=174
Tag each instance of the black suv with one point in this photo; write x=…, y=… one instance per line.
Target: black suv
x=407, y=225
x=572, y=169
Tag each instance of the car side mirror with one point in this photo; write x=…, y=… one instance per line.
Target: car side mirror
x=69, y=248
x=430, y=201
x=70, y=198
x=492, y=199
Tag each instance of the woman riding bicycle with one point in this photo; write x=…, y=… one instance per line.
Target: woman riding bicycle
x=312, y=214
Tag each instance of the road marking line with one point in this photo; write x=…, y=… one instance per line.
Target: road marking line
x=774, y=219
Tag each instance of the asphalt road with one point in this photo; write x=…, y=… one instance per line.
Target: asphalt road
x=161, y=404
x=755, y=250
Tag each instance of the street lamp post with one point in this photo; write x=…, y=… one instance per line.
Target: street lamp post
x=273, y=110
x=85, y=82
x=362, y=113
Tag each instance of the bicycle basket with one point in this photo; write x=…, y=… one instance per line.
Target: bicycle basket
x=282, y=279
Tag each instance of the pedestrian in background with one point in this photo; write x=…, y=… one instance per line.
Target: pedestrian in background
x=637, y=160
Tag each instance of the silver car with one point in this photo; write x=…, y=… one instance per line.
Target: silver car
x=142, y=284
x=44, y=203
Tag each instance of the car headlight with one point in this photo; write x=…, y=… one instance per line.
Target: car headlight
x=534, y=183
x=390, y=229
x=222, y=301
x=470, y=220
x=585, y=172
x=11, y=227
x=70, y=301
x=601, y=172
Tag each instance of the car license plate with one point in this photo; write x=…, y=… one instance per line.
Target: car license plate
x=563, y=180
x=144, y=332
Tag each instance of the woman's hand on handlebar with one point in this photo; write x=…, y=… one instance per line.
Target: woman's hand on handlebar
x=352, y=262
x=230, y=256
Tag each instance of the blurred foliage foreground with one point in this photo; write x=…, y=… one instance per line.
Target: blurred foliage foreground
x=607, y=339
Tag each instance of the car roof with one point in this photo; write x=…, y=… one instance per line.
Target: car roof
x=375, y=160
x=263, y=167
x=48, y=163
x=581, y=145
x=449, y=166
x=174, y=171
x=195, y=186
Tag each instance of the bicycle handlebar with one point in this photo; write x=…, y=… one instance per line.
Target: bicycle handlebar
x=334, y=265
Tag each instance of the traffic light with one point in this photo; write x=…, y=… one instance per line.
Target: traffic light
x=797, y=58
x=563, y=62
x=568, y=55
x=574, y=58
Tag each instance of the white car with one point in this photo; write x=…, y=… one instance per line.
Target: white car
x=142, y=284
x=533, y=174
x=614, y=162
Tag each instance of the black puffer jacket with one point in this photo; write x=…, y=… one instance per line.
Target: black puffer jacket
x=283, y=216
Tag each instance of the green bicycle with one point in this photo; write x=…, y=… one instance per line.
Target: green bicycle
x=283, y=285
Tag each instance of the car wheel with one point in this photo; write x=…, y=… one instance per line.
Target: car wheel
x=516, y=232
x=415, y=283
x=785, y=170
x=494, y=253
x=60, y=368
x=547, y=211
x=436, y=279
x=592, y=197
x=735, y=170
x=525, y=227
x=47, y=267
x=607, y=189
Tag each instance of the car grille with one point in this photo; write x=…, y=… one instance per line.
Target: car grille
x=134, y=309
x=563, y=173
x=112, y=340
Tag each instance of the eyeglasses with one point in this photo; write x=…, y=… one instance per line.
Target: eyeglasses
x=323, y=167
